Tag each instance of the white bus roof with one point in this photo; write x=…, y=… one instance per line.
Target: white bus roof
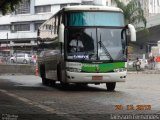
x=88, y=7
x=85, y=8
x=91, y=8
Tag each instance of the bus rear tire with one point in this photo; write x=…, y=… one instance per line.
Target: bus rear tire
x=111, y=86
x=43, y=74
x=44, y=81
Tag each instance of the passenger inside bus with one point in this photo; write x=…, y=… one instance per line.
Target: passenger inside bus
x=80, y=45
x=76, y=44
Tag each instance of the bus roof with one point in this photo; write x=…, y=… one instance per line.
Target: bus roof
x=84, y=8
x=91, y=8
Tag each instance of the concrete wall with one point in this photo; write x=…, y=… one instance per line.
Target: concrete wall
x=17, y=69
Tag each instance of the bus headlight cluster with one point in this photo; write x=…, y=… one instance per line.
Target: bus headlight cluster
x=120, y=70
x=73, y=69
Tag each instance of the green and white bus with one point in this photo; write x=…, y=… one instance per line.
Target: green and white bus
x=104, y=36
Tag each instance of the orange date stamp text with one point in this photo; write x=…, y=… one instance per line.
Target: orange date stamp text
x=132, y=107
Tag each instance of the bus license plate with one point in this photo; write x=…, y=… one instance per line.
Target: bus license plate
x=97, y=77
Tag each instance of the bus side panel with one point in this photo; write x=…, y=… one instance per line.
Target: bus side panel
x=49, y=61
x=51, y=67
x=54, y=63
x=61, y=69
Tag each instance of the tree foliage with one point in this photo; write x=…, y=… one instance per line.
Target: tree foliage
x=7, y=6
x=133, y=12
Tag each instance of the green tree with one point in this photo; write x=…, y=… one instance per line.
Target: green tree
x=7, y=6
x=133, y=12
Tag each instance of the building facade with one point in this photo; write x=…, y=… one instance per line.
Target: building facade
x=154, y=7
x=19, y=29
x=150, y=7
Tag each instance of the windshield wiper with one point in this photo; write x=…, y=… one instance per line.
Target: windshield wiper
x=121, y=55
x=105, y=50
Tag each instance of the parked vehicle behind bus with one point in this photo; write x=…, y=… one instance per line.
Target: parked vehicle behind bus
x=21, y=58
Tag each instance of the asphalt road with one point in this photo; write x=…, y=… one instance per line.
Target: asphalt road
x=24, y=97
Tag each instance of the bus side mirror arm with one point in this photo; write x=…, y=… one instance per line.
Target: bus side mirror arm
x=38, y=32
x=132, y=32
x=61, y=33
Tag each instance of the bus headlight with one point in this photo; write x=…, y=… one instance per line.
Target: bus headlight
x=73, y=69
x=120, y=70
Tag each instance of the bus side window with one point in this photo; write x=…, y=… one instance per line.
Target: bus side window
x=59, y=21
x=55, y=25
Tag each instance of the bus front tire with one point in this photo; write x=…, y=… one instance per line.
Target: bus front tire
x=111, y=86
x=63, y=84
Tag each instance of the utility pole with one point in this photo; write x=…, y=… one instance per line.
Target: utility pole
x=7, y=42
x=7, y=39
x=7, y=49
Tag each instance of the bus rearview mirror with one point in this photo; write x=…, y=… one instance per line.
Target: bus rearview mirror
x=132, y=32
x=61, y=33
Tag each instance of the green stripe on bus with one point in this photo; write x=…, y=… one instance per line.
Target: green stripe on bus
x=106, y=67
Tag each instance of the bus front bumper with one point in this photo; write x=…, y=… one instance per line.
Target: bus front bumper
x=75, y=77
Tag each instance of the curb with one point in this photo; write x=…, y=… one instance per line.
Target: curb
x=145, y=72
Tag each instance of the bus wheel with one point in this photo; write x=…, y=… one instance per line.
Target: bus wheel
x=111, y=86
x=45, y=81
x=43, y=74
x=59, y=77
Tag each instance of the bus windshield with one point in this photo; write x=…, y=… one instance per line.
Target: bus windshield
x=95, y=19
x=94, y=44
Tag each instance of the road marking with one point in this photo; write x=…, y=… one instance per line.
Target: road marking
x=46, y=108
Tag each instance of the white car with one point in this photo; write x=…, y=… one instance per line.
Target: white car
x=21, y=58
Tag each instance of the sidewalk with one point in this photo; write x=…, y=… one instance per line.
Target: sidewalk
x=146, y=71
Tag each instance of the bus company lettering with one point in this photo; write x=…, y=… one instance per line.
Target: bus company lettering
x=90, y=65
x=81, y=56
